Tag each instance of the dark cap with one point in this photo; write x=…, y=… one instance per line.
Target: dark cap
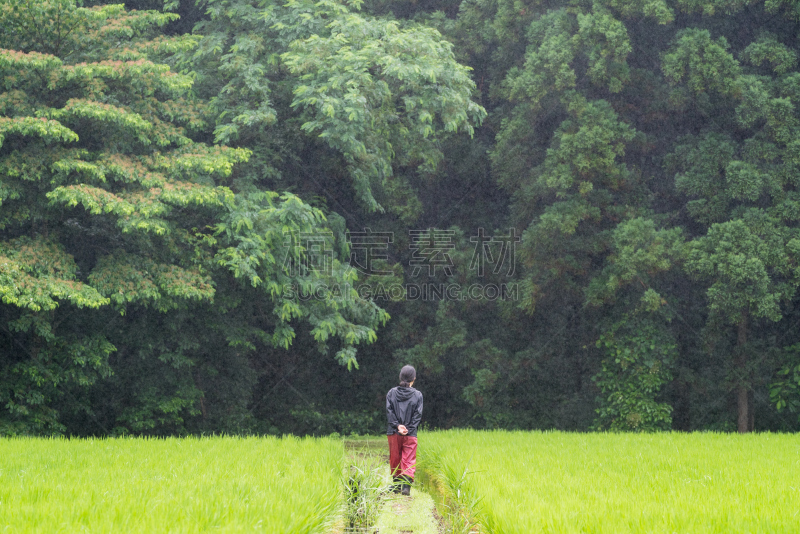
x=407, y=375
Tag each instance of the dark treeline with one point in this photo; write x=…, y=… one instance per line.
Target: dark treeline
x=245, y=216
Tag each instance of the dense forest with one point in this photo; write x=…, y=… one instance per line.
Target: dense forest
x=244, y=216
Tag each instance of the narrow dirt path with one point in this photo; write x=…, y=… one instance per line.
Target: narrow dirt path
x=404, y=515
x=399, y=514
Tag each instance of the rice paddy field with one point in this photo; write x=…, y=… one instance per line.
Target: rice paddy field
x=530, y=482
x=221, y=484
x=505, y=482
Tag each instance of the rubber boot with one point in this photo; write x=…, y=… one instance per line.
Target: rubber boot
x=407, y=486
x=397, y=484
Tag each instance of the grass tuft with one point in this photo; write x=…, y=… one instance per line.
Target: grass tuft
x=364, y=488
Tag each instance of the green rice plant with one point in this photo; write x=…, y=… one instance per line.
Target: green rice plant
x=364, y=487
x=224, y=484
x=530, y=482
x=449, y=474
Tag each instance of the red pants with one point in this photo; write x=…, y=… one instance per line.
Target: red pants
x=402, y=455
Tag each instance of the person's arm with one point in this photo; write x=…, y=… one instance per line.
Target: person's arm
x=390, y=415
x=416, y=418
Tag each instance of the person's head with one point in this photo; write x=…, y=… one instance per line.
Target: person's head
x=407, y=376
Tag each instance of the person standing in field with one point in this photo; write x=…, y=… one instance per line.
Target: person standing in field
x=404, y=412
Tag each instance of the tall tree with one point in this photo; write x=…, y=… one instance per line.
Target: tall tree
x=678, y=114
x=739, y=174
x=379, y=95
x=110, y=207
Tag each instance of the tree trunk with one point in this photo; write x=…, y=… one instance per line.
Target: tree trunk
x=742, y=397
x=744, y=418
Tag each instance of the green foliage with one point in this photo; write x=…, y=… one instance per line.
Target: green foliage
x=63, y=29
x=767, y=49
x=702, y=63
x=258, y=243
x=36, y=274
x=125, y=278
x=640, y=355
x=646, y=151
x=639, y=253
x=108, y=202
x=612, y=127
x=750, y=262
x=380, y=95
x=377, y=99
x=784, y=392
x=580, y=176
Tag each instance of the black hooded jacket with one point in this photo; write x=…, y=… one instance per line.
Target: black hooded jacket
x=403, y=407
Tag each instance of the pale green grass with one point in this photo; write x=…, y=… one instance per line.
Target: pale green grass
x=226, y=484
x=408, y=514
x=616, y=483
